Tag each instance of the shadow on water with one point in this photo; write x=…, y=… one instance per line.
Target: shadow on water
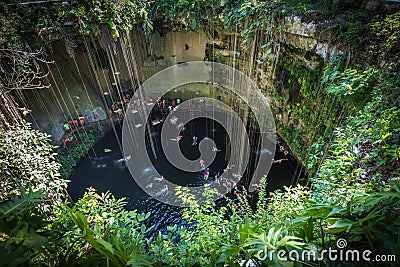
x=106, y=171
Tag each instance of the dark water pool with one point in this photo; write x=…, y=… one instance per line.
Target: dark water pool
x=104, y=170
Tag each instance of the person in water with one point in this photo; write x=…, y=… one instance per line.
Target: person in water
x=69, y=139
x=173, y=120
x=236, y=176
x=216, y=177
x=228, y=168
x=278, y=160
x=126, y=158
x=164, y=190
x=67, y=127
x=180, y=126
x=203, y=167
x=194, y=140
x=177, y=139
x=257, y=186
x=214, y=149
x=226, y=183
x=81, y=120
x=159, y=179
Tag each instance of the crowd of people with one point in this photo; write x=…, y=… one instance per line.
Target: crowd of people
x=75, y=124
x=118, y=107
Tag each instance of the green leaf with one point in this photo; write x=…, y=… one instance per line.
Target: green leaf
x=340, y=225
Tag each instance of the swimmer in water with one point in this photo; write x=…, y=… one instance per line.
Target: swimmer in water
x=164, y=190
x=214, y=149
x=173, y=120
x=257, y=186
x=278, y=160
x=177, y=139
x=180, y=126
x=194, y=141
x=234, y=185
x=127, y=158
x=228, y=168
x=203, y=167
x=159, y=179
x=226, y=183
x=69, y=139
x=237, y=176
x=216, y=177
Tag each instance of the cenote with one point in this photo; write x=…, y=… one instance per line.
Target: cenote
x=104, y=168
x=199, y=133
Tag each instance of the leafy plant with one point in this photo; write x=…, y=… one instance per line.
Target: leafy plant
x=68, y=159
x=97, y=230
x=21, y=228
x=27, y=160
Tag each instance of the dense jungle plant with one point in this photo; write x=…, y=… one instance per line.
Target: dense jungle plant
x=97, y=230
x=70, y=157
x=22, y=223
x=27, y=160
x=117, y=15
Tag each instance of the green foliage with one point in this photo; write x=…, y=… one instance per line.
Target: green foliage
x=97, y=230
x=369, y=139
x=22, y=22
x=192, y=14
x=27, y=160
x=208, y=235
x=311, y=111
x=69, y=158
x=352, y=193
x=348, y=82
x=120, y=248
x=21, y=228
x=261, y=243
x=366, y=220
x=282, y=206
x=388, y=31
x=18, y=22
x=117, y=15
